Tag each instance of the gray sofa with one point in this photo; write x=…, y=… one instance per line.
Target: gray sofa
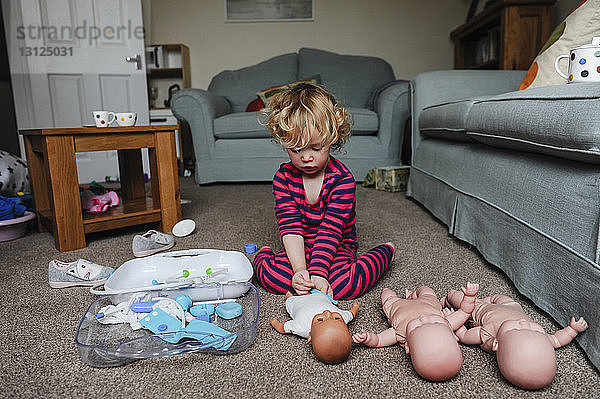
x=231, y=145
x=517, y=175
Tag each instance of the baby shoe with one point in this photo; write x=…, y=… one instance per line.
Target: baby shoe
x=79, y=273
x=151, y=242
x=99, y=203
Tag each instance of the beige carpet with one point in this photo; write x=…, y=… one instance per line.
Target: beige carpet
x=40, y=359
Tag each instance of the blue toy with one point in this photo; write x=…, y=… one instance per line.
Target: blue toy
x=100, y=315
x=203, y=311
x=229, y=310
x=143, y=307
x=170, y=329
x=207, y=333
x=204, y=308
x=314, y=291
x=167, y=327
x=185, y=301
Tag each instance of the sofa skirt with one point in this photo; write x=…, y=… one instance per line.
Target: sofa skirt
x=531, y=233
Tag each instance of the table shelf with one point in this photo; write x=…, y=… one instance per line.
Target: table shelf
x=141, y=209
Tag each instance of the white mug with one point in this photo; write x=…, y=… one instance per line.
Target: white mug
x=584, y=63
x=103, y=118
x=126, y=118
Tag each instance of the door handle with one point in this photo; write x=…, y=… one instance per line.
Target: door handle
x=137, y=59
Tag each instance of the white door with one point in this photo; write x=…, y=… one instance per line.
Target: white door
x=69, y=58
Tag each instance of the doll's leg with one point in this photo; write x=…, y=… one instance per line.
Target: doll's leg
x=350, y=276
x=505, y=300
x=420, y=292
x=273, y=271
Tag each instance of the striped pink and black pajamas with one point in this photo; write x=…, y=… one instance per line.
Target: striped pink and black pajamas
x=329, y=231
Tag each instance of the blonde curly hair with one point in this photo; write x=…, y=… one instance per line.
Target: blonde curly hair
x=291, y=113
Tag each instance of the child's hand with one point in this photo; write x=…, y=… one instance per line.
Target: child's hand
x=302, y=283
x=322, y=285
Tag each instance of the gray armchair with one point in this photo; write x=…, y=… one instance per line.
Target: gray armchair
x=231, y=145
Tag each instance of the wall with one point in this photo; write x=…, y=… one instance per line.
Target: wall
x=413, y=36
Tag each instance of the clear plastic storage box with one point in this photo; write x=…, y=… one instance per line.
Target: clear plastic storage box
x=108, y=345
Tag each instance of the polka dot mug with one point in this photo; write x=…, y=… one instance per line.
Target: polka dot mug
x=126, y=118
x=584, y=63
x=103, y=118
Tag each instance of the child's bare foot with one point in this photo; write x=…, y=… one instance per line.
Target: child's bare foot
x=391, y=244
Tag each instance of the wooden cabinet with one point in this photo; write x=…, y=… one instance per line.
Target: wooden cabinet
x=507, y=34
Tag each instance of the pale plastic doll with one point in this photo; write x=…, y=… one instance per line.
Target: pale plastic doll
x=316, y=318
x=524, y=351
x=424, y=330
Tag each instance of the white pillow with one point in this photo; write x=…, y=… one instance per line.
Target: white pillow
x=576, y=30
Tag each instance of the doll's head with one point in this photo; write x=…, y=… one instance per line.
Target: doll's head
x=330, y=338
x=295, y=113
x=433, y=348
x=525, y=354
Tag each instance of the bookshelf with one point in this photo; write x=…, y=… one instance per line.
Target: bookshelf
x=506, y=34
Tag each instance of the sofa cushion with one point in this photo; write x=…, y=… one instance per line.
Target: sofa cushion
x=560, y=120
x=239, y=125
x=245, y=125
x=351, y=78
x=239, y=87
x=447, y=120
x=364, y=121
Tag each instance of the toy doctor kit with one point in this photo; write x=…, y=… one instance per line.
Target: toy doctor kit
x=171, y=303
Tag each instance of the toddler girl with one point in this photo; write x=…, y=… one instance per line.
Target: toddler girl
x=314, y=203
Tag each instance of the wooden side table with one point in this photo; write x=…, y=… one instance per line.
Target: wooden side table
x=53, y=171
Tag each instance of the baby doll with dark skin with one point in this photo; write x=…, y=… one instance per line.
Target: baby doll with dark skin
x=315, y=317
x=424, y=330
x=524, y=351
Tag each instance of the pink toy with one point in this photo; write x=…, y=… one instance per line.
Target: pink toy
x=99, y=203
x=524, y=351
x=424, y=330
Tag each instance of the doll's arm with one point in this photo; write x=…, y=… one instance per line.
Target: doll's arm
x=471, y=336
x=355, y=307
x=384, y=338
x=566, y=335
x=459, y=317
x=277, y=325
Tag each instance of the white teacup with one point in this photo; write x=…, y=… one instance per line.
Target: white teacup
x=584, y=63
x=126, y=118
x=103, y=118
